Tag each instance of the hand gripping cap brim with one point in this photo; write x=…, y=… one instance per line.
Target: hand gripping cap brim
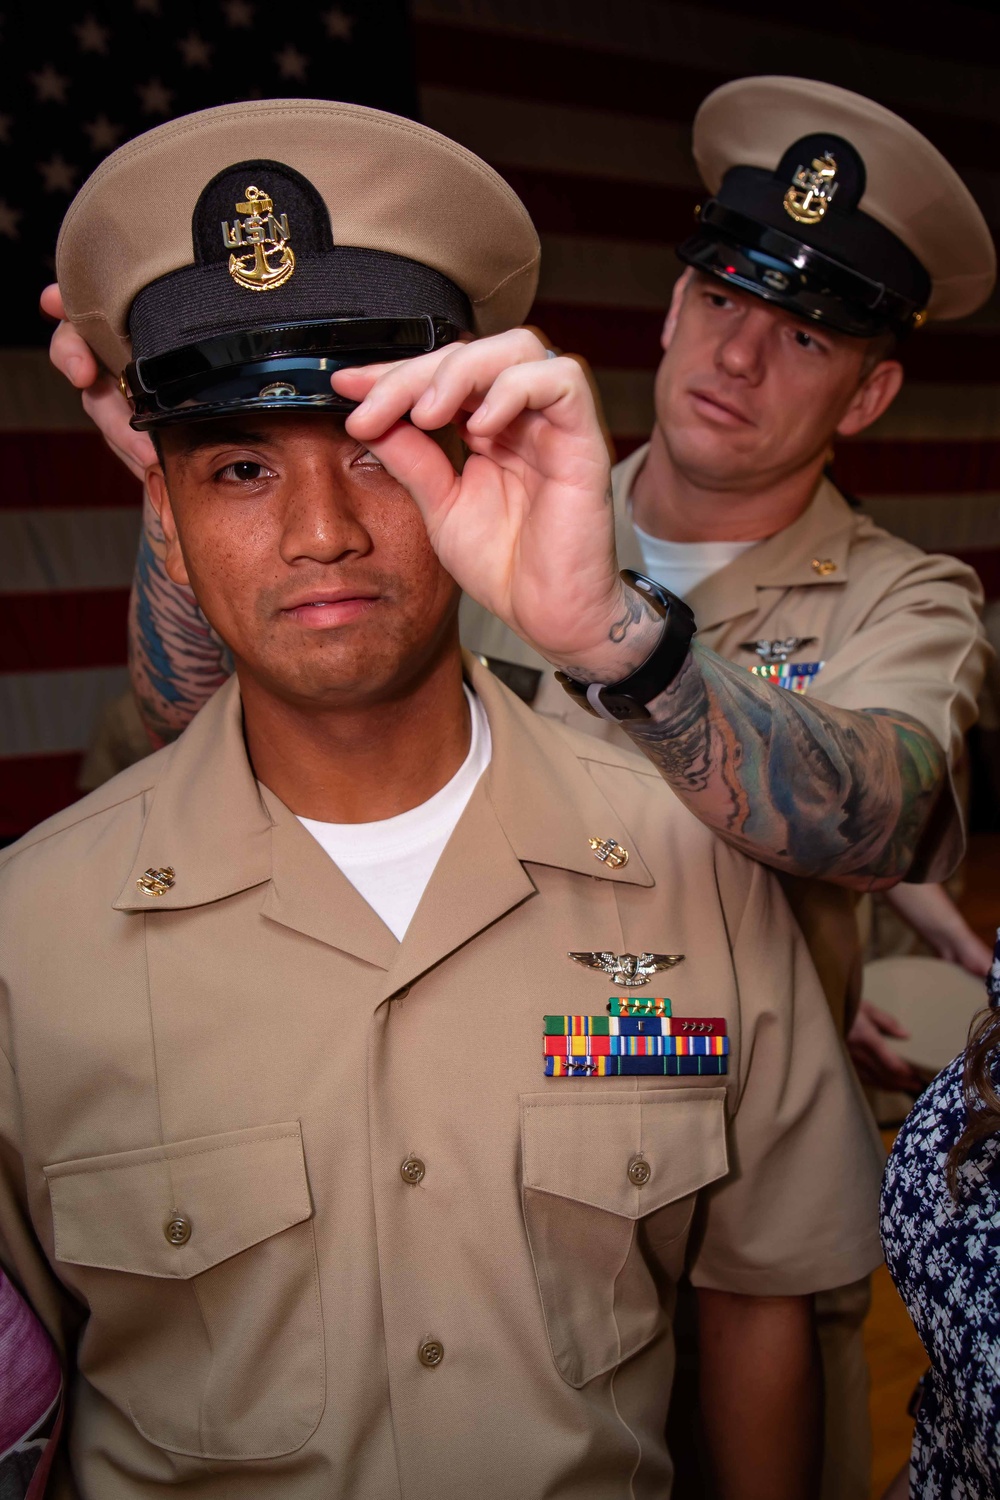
x=910, y=188
x=389, y=185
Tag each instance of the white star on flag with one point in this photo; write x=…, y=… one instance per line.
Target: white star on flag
x=92, y=36
x=291, y=63
x=155, y=99
x=9, y=219
x=339, y=24
x=238, y=12
x=50, y=85
x=195, y=51
x=103, y=135
x=58, y=175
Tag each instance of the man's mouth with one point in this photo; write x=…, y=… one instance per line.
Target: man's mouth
x=718, y=410
x=330, y=607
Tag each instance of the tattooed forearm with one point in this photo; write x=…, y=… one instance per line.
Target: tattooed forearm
x=804, y=787
x=175, y=661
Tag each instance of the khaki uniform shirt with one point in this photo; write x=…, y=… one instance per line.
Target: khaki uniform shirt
x=894, y=628
x=251, y=1058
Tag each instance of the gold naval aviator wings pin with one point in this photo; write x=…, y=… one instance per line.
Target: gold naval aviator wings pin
x=628, y=969
x=812, y=190
x=156, y=882
x=269, y=259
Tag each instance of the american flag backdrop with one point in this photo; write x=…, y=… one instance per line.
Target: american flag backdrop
x=585, y=107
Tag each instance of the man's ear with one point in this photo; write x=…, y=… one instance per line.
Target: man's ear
x=873, y=396
x=159, y=498
x=676, y=302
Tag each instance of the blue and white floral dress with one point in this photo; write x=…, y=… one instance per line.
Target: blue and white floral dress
x=944, y=1256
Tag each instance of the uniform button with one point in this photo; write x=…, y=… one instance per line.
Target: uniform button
x=177, y=1230
x=412, y=1170
x=430, y=1353
x=639, y=1171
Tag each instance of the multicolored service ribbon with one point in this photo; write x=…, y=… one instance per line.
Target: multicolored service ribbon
x=634, y=1026
x=636, y=1046
x=610, y=1067
x=639, y=1005
x=794, y=675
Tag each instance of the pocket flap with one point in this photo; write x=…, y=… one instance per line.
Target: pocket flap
x=583, y=1148
x=228, y=1192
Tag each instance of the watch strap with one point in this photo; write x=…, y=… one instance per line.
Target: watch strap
x=627, y=698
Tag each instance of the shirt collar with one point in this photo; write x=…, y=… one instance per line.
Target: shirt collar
x=208, y=821
x=814, y=551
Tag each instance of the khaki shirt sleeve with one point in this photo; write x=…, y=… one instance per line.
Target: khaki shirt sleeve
x=921, y=650
x=798, y=1210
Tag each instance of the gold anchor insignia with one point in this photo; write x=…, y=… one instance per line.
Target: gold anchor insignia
x=824, y=566
x=628, y=969
x=609, y=853
x=266, y=238
x=812, y=190
x=156, y=882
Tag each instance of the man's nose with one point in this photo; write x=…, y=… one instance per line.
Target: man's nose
x=321, y=522
x=741, y=354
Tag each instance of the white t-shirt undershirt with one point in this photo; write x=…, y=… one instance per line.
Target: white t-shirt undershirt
x=681, y=566
x=390, y=863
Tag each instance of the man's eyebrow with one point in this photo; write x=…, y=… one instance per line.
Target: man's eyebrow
x=192, y=440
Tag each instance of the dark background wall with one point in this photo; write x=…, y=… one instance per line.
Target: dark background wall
x=585, y=107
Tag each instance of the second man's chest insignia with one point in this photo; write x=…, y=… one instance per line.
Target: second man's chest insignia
x=774, y=665
x=629, y=969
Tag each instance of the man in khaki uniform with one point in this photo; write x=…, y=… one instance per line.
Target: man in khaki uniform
x=306, y=1197
x=792, y=580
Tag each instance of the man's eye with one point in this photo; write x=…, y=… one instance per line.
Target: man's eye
x=367, y=460
x=244, y=471
x=805, y=340
x=718, y=299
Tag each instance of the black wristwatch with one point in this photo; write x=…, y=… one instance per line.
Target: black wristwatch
x=627, y=699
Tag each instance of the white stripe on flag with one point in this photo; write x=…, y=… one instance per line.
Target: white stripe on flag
x=34, y=398
x=46, y=713
x=939, y=523
x=67, y=549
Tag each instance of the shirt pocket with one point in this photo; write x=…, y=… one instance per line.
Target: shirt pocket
x=603, y=1182
x=198, y=1263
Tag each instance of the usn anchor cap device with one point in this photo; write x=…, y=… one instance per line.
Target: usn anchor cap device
x=834, y=208
x=235, y=258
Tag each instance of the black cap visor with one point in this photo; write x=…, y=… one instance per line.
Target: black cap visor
x=782, y=269
x=272, y=369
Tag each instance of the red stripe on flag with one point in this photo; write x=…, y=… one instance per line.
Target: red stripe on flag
x=33, y=787
x=62, y=470
x=603, y=207
x=986, y=562
x=56, y=632
x=898, y=467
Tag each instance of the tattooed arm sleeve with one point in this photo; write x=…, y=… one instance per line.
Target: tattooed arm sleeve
x=807, y=788
x=176, y=661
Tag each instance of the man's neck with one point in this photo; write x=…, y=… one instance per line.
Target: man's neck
x=364, y=764
x=675, y=507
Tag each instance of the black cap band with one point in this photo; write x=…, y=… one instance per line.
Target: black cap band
x=781, y=268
